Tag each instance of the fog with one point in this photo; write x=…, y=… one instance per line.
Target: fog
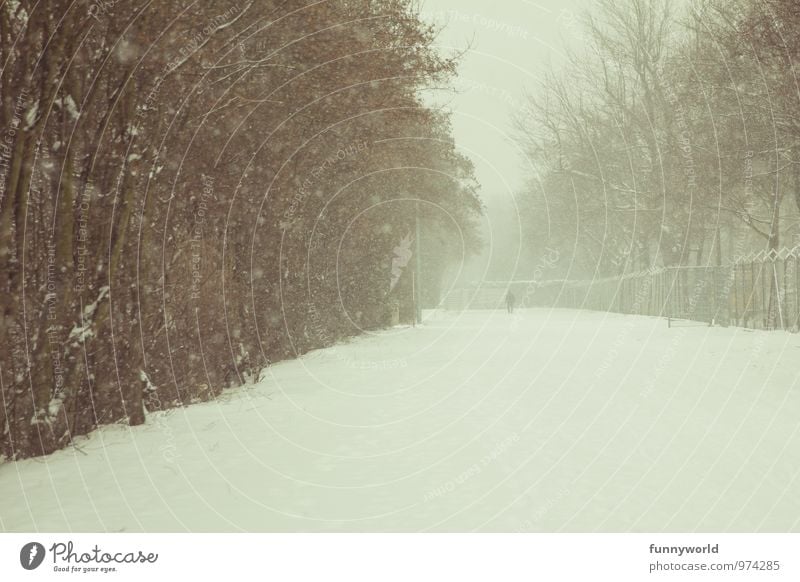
x=289, y=265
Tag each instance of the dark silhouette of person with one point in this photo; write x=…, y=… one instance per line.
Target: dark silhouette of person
x=510, y=301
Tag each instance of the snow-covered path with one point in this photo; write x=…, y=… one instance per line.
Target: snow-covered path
x=541, y=421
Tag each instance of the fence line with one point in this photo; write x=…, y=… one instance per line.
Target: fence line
x=759, y=291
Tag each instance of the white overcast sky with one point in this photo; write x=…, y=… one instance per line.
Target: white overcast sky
x=511, y=43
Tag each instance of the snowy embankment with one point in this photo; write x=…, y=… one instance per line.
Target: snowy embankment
x=541, y=421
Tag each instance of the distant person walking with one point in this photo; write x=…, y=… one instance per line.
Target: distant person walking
x=511, y=300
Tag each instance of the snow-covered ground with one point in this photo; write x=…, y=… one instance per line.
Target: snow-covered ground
x=541, y=421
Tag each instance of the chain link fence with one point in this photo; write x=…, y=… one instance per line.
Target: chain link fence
x=759, y=291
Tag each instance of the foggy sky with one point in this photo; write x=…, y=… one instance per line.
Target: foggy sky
x=510, y=44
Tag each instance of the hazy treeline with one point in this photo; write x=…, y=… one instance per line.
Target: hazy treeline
x=670, y=139
x=190, y=191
